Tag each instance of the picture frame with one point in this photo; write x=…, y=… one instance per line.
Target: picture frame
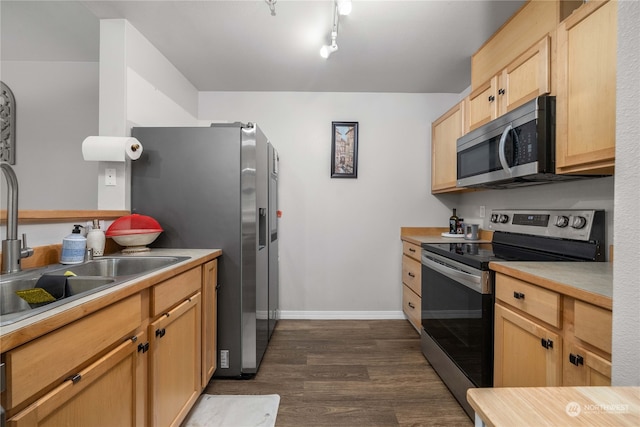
x=344, y=149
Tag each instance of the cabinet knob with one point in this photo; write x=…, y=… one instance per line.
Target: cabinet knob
x=74, y=378
x=518, y=295
x=576, y=359
x=501, y=91
x=546, y=343
x=160, y=332
x=143, y=347
x=492, y=98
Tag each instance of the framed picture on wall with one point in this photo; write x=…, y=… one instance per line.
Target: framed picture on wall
x=344, y=150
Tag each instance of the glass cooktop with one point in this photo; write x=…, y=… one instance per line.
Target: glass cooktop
x=479, y=255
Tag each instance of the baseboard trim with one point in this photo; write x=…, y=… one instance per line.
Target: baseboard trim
x=341, y=315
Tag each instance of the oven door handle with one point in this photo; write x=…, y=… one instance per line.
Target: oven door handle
x=502, y=151
x=471, y=281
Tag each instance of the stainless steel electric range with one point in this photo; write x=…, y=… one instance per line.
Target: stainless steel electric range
x=458, y=287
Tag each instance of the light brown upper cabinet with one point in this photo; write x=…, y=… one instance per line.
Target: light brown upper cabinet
x=586, y=90
x=527, y=77
x=445, y=132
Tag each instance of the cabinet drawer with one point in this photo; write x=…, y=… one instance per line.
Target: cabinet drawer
x=170, y=292
x=41, y=362
x=411, y=304
x=539, y=302
x=411, y=250
x=593, y=325
x=411, y=274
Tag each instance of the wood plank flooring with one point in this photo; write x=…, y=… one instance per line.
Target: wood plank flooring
x=349, y=373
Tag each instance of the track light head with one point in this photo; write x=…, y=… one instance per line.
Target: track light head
x=344, y=7
x=327, y=50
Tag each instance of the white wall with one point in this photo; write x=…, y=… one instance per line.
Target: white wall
x=340, y=249
x=138, y=87
x=626, y=267
x=57, y=107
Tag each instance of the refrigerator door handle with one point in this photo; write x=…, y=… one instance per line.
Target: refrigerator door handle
x=262, y=228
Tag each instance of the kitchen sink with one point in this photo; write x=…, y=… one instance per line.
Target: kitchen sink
x=89, y=277
x=120, y=266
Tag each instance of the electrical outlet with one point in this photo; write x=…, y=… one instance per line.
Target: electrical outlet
x=482, y=211
x=224, y=359
x=110, y=177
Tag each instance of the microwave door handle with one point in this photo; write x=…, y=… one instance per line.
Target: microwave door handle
x=501, y=149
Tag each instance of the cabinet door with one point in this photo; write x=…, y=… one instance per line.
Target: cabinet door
x=526, y=354
x=586, y=94
x=582, y=367
x=483, y=104
x=525, y=78
x=175, y=362
x=445, y=132
x=103, y=394
x=209, y=320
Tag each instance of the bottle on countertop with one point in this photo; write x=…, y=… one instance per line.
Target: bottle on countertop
x=96, y=239
x=73, y=247
x=453, y=222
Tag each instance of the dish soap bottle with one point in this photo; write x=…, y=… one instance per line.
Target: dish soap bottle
x=96, y=239
x=453, y=223
x=73, y=247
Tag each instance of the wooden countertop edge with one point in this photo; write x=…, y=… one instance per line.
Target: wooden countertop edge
x=537, y=405
x=421, y=231
x=49, y=216
x=563, y=288
x=409, y=234
x=29, y=332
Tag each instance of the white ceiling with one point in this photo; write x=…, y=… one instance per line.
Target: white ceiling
x=384, y=45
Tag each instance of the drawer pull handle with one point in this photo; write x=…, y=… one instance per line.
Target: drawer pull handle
x=75, y=378
x=160, y=332
x=143, y=347
x=411, y=250
x=411, y=274
x=546, y=343
x=410, y=304
x=576, y=359
x=518, y=295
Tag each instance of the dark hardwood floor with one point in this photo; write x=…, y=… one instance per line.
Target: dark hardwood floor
x=349, y=373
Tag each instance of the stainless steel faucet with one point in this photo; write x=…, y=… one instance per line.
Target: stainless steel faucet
x=12, y=249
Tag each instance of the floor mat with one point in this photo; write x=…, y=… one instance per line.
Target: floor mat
x=234, y=411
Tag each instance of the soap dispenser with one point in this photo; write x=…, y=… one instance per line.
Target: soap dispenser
x=96, y=239
x=73, y=247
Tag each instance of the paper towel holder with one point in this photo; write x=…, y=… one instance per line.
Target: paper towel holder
x=111, y=148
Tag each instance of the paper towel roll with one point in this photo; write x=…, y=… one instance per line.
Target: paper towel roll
x=111, y=148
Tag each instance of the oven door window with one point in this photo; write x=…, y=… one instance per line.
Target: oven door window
x=460, y=320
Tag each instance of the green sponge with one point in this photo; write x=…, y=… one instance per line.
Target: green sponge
x=35, y=296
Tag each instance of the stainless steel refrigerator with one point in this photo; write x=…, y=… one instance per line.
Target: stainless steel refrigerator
x=216, y=187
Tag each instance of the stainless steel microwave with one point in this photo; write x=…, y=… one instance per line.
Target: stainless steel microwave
x=516, y=149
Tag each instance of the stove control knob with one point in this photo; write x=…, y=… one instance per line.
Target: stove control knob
x=494, y=218
x=562, y=221
x=578, y=222
x=503, y=219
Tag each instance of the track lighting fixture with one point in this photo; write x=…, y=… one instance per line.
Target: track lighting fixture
x=340, y=7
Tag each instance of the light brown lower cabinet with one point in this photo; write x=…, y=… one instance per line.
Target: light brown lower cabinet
x=141, y=361
x=175, y=362
x=527, y=354
x=102, y=394
x=544, y=338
